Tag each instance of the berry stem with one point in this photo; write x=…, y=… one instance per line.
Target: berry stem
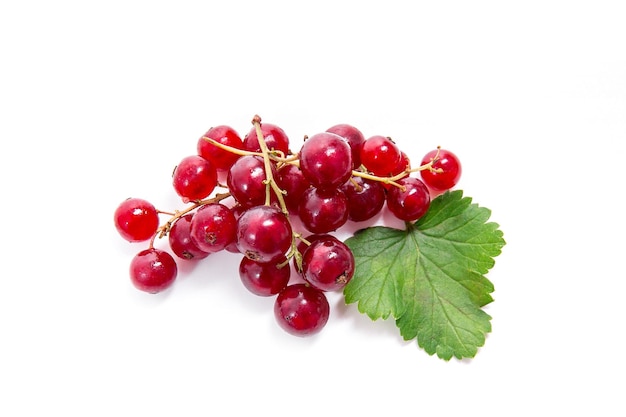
x=231, y=149
x=392, y=180
x=165, y=228
x=269, y=177
x=385, y=180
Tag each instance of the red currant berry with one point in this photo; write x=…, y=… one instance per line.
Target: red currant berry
x=180, y=241
x=136, y=220
x=263, y=279
x=290, y=179
x=366, y=198
x=194, y=178
x=302, y=245
x=328, y=264
x=264, y=234
x=449, y=165
x=411, y=203
x=246, y=181
x=355, y=139
x=275, y=139
x=380, y=155
x=213, y=227
x=301, y=310
x=221, y=158
x=153, y=270
x=326, y=160
x=323, y=211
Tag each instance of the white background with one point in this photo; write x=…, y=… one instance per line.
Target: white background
x=99, y=101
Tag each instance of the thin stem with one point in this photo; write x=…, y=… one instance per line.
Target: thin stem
x=429, y=165
x=392, y=180
x=269, y=177
x=385, y=180
x=231, y=149
x=165, y=228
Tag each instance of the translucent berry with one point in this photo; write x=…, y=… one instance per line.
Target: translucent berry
x=264, y=234
x=221, y=158
x=366, y=198
x=410, y=203
x=274, y=136
x=380, y=155
x=194, y=178
x=301, y=310
x=264, y=279
x=323, y=211
x=449, y=165
x=180, y=241
x=213, y=227
x=355, y=139
x=326, y=160
x=290, y=179
x=328, y=264
x=246, y=181
x=153, y=270
x=302, y=245
x=136, y=220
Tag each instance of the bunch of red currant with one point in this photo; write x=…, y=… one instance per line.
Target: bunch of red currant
x=337, y=175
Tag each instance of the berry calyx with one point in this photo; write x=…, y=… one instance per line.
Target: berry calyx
x=213, y=227
x=328, y=264
x=179, y=238
x=264, y=234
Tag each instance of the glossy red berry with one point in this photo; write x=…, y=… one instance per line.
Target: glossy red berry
x=153, y=270
x=225, y=135
x=302, y=245
x=213, y=227
x=449, y=165
x=246, y=181
x=274, y=136
x=264, y=234
x=366, y=198
x=326, y=160
x=291, y=180
x=194, y=178
x=380, y=155
x=301, y=310
x=180, y=241
x=410, y=203
x=328, y=264
x=355, y=139
x=136, y=219
x=264, y=279
x=323, y=211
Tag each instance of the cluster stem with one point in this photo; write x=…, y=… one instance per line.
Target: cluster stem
x=269, y=177
x=165, y=228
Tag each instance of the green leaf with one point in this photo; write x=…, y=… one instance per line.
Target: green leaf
x=431, y=276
